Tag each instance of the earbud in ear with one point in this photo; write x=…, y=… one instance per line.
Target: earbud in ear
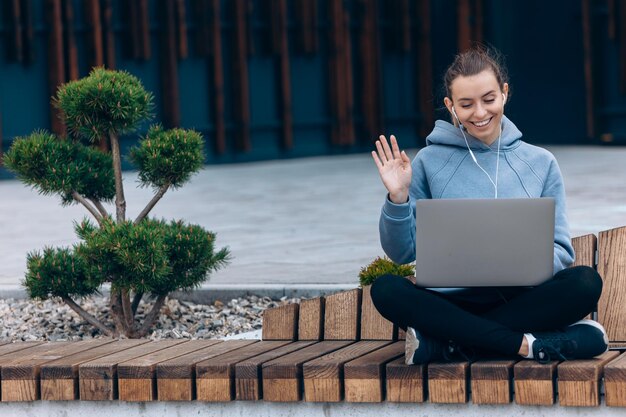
x=503, y=98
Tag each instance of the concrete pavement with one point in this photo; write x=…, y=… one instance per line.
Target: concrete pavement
x=290, y=224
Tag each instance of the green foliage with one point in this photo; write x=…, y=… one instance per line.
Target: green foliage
x=168, y=156
x=57, y=272
x=382, y=266
x=105, y=101
x=152, y=256
x=55, y=166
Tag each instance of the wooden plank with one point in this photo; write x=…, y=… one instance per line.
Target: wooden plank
x=20, y=371
x=217, y=79
x=143, y=30
x=98, y=378
x=169, y=66
x=612, y=268
x=284, y=74
x=281, y=323
x=585, y=248
x=9, y=348
x=137, y=377
x=70, y=41
x=492, y=381
x=108, y=34
x=373, y=325
x=588, y=68
x=424, y=68
x=341, y=316
x=215, y=378
x=282, y=377
x=615, y=382
x=241, y=96
x=323, y=377
x=94, y=34
x=28, y=33
x=405, y=383
x=16, y=46
x=176, y=377
x=579, y=380
x=448, y=383
x=535, y=382
x=181, y=29
x=311, y=319
x=59, y=378
x=364, y=378
x=56, y=63
x=369, y=56
x=248, y=373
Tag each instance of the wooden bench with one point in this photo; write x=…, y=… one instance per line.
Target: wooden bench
x=328, y=349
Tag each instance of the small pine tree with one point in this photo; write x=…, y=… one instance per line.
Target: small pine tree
x=381, y=266
x=136, y=257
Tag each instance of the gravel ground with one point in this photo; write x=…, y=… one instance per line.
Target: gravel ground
x=24, y=319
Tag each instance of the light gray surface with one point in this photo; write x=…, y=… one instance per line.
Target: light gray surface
x=310, y=221
x=484, y=242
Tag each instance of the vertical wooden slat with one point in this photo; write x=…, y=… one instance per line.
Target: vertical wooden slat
x=169, y=66
x=284, y=74
x=241, y=99
x=585, y=248
x=56, y=65
x=202, y=38
x=424, y=68
x=588, y=67
x=16, y=47
x=373, y=325
x=144, y=30
x=306, y=28
x=370, y=69
x=70, y=41
x=133, y=28
x=107, y=34
x=311, y=320
x=612, y=268
x=342, y=314
x=217, y=80
x=281, y=323
x=28, y=33
x=94, y=33
x=181, y=29
x=464, y=28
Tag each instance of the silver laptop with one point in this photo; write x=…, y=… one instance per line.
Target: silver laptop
x=484, y=242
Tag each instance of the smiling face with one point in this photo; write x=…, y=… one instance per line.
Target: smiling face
x=479, y=104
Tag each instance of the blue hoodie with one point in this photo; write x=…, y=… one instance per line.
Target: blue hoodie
x=445, y=169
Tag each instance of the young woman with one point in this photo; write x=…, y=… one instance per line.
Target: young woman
x=482, y=155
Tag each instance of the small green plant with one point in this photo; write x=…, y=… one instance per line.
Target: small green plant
x=136, y=257
x=381, y=266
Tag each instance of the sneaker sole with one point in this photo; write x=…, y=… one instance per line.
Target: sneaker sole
x=411, y=344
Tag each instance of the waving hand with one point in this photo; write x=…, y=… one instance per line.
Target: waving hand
x=394, y=167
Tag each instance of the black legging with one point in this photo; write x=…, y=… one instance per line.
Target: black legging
x=494, y=326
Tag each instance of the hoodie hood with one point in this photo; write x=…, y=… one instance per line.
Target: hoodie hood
x=446, y=133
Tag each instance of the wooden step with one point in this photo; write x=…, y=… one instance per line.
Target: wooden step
x=282, y=377
x=323, y=377
x=364, y=377
x=492, y=381
x=615, y=382
x=20, y=371
x=448, y=383
x=249, y=375
x=535, y=382
x=215, y=378
x=281, y=323
x=176, y=377
x=137, y=376
x=579, y=380
x=405, y=383
x=59, y=378
x=98, y=377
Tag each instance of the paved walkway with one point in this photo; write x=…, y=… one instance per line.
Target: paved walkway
x=304, y=222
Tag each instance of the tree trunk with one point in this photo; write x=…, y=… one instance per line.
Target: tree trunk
x=120, y=201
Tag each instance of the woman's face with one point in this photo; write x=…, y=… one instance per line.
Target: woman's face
x=479, y=104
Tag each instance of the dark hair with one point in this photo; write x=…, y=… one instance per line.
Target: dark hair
x=474, y=61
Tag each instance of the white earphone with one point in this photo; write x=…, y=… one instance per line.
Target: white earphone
x=495, y=183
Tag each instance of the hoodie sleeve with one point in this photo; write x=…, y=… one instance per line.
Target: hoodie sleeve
x=397, y=221
x=563, y=249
